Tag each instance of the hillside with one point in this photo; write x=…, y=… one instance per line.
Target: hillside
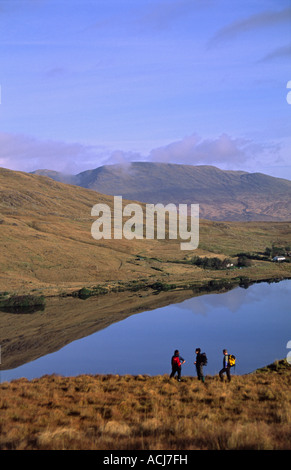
x=45, y=231
x=113, y=412
x=47, y=250
x=222, y=195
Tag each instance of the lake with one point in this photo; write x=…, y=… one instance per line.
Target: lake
x=254, y=324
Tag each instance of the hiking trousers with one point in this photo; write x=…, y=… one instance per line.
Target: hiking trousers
x=227, y=371
x=176, y=370
x=199, y=369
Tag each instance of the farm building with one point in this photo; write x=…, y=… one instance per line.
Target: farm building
x=279, y=258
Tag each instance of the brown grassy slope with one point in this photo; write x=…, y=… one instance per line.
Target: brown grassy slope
x=46, y=242
x=142, y=412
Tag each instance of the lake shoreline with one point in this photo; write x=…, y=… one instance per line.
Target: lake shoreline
x=28, y=301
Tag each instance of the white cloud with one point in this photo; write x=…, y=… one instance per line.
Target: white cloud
x=283, y=52
x=224, y=151
x=175, y=151
x=24, y=153
x=253, y=22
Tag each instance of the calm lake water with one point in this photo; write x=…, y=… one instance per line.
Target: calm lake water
x=254, y=324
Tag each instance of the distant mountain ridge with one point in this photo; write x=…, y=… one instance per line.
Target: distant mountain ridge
x=221, y=194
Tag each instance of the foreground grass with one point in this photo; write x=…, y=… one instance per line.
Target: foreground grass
x=140, y=412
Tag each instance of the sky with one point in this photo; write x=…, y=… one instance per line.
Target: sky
x=86, y=83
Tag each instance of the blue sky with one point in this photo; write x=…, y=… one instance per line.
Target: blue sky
x=92, y=82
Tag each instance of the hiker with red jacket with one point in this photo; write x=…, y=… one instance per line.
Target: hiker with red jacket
x=176, y=363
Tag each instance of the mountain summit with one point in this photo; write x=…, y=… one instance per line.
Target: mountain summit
x=221, y=194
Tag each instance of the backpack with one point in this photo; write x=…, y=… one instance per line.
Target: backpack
x=203, y=359
x=231, y=360
x=176, y=361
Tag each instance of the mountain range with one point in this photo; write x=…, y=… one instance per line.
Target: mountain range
x=46, y=241
x=222, y=195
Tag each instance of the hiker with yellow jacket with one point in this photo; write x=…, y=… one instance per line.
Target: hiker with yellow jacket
x=227, y=364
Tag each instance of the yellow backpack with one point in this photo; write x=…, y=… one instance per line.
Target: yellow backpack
x=231, y=360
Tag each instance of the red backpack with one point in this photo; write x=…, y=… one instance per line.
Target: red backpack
x=176, y=361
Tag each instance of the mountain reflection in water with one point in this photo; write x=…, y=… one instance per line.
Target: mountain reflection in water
x=253, y=323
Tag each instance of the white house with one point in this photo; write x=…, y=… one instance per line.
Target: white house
x=279, y=258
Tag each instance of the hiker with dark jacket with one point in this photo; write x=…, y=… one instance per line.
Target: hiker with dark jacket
x=226, y=366
x=200, y=361
x=176, y=363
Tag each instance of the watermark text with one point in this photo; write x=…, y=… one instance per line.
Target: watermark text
x=183, y=222
x=288, y=97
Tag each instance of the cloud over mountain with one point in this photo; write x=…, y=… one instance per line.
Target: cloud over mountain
x=20, y=152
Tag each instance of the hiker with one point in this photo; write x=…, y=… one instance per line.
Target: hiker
x=226, y=366
x=200, y=362
x=176, y=363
